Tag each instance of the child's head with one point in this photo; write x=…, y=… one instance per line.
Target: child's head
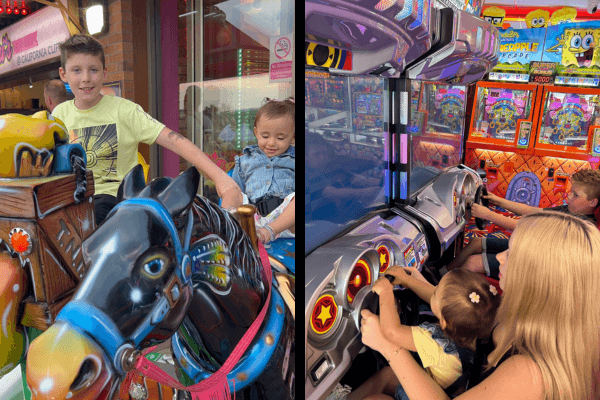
x=466, y=305
x=83, y=68
x=585, y=192
x=274, y=126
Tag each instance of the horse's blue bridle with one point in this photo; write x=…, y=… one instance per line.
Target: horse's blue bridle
x=93, y=322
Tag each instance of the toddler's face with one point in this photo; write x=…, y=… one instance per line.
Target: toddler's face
x=275, y=135
x=85, y=75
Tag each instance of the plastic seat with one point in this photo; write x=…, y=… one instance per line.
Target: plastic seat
x=145, y=166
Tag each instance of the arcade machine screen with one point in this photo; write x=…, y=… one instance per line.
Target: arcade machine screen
x=498, y=111
x=437, y=125
x=344, y=153
x=326, y=104
x=566, y=119
x=446, y=108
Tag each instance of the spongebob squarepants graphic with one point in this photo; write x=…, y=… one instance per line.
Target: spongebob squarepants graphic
x=579, y=47
x=451, y=113
x=568, y=121
x=537, y=19
x=563, y=15
x=494, y=15
x=503, y=115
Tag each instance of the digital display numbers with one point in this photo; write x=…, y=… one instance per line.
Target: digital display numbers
x=541, y=79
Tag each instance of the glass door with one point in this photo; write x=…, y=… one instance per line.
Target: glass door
x=232, y=55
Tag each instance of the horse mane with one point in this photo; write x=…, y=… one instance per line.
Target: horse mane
x=211, y=219
x=214, y=219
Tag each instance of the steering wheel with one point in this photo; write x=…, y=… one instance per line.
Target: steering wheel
x=410, y=311
x=479, y=199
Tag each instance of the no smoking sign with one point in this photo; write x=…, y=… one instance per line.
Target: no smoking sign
x=281, y=59
x=283, y=47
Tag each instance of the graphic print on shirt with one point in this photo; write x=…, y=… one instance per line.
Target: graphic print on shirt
x=100, y=144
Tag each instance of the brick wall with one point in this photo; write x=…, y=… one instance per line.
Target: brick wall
x=118, y=46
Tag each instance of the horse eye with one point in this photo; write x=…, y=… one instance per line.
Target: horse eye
x=154, y=268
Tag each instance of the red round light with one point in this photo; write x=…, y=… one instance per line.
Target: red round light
x=20, y=241
x=359, y=278
x=384, y=258
x=324, y=314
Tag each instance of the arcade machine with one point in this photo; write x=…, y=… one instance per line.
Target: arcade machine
x=530, y=137
x=437, y=124
x=357, y=224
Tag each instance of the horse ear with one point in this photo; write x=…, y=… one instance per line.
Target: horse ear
x=132, y=184
x=180, y=194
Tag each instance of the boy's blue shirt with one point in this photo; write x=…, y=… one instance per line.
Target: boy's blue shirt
x=258, y=175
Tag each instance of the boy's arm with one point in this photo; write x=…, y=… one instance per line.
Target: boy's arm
x=479, y=211
x=391, y=327
x=227, y=189
x=512, y=206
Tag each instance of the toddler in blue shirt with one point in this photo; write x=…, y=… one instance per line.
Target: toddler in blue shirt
x=266, y=172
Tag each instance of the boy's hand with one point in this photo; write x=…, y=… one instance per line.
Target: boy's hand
x=382, y=285
x=479, y=211
x=264, y=235
x=492, y=198
x=231, y=196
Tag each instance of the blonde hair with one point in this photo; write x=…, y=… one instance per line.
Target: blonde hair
x=467, y=320
x=589, y=180
x=550, y=308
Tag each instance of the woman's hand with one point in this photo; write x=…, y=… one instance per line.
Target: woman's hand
x=382, y=285
x=370, y=328
x=415, y=273
x=400, y=274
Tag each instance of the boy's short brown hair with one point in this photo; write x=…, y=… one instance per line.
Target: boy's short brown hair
x=589, y=180
x=276, y=109
x=82, y=44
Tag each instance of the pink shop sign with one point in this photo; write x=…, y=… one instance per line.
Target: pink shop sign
x=32, y=40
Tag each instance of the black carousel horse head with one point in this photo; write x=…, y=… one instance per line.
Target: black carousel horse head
x=135, y=294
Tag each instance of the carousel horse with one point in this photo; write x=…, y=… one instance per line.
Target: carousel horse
x=166, y=264
x=34, y=151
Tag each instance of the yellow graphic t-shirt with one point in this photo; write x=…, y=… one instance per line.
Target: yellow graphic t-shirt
x=110, y=133
x=438, y=354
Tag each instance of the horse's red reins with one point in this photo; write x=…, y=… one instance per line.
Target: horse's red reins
x=215, y=387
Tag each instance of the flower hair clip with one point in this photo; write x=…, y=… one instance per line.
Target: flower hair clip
x=474, y=297
x=493, y=290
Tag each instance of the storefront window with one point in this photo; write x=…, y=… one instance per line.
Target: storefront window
x=225, y=53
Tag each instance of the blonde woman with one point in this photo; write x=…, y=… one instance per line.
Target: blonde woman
x=547, y=342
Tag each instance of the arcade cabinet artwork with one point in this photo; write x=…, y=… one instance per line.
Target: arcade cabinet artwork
x=437, y=124
x=502, y=115
x=567, y=119
x=530, y=138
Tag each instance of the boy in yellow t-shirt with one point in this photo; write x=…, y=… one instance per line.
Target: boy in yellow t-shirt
x=110, y=128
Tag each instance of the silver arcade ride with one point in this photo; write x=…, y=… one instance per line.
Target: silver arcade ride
x=370, y=202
